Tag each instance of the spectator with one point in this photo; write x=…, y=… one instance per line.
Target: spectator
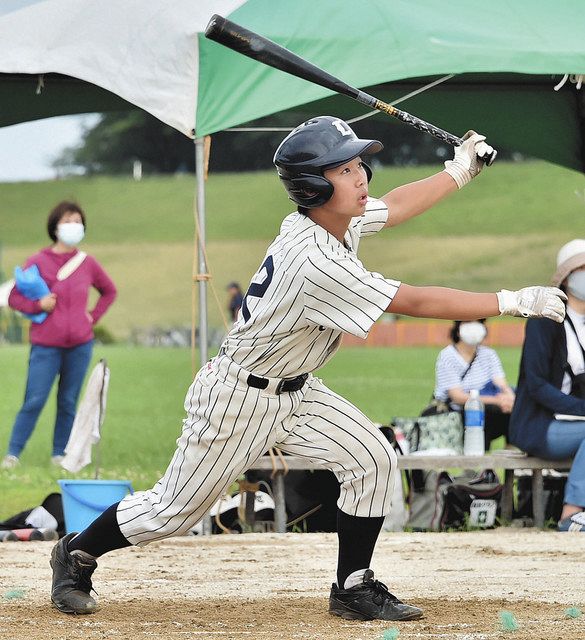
x=549, y=415
x=467, y=364
x=235, y=300
x=61, y=345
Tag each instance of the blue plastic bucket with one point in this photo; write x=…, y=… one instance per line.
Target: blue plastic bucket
x=85, y=500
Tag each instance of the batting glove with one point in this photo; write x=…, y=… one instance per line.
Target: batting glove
x=469, y=158
x=533, y=302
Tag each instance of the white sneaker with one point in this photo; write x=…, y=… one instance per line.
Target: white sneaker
x=9, y=462
x=56, y=460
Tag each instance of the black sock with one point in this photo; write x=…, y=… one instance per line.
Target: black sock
x=357, y=539
x=102, y=535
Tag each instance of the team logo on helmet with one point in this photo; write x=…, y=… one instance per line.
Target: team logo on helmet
x=316, y=145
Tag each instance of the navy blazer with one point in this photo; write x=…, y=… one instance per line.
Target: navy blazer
x=539, y=395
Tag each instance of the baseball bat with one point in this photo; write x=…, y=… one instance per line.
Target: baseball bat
x=263, y=50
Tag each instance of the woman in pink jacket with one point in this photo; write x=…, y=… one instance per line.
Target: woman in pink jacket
x=62, y=344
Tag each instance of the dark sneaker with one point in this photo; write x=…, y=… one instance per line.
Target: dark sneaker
x=72, y=579
x=573, y=524
x=370, y=600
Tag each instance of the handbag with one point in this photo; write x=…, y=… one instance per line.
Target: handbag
x=434, y=407
x=439, y=431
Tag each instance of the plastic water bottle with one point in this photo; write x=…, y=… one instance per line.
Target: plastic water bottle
x=473, y=441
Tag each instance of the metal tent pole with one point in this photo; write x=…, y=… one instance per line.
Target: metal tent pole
x=201, y=271
x=202, y=266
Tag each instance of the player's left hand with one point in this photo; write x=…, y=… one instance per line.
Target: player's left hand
x=533, y=302
x=469, y=158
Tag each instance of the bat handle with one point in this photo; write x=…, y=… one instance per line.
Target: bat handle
x=419, y=124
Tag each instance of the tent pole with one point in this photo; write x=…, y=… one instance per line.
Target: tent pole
x=202, y=266
x=200, y=168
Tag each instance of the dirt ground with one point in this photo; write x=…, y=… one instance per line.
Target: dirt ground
x=270, y=586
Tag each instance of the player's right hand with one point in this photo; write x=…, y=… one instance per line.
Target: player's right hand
x=469, y=158
x=533, y=302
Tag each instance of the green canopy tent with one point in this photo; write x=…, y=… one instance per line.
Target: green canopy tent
x=62, y=57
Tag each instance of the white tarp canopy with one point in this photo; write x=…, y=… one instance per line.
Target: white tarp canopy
x=145, y=51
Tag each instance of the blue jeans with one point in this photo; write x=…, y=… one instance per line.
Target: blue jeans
x=45, y=363
x=563, y=440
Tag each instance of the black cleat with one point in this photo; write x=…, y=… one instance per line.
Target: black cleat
x=370, y=600
x=72, y=579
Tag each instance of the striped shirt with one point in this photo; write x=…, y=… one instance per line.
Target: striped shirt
x=309, y=290
x=451, y=366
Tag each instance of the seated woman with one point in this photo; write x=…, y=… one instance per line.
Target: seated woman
x=551, y=388
x=467, y=364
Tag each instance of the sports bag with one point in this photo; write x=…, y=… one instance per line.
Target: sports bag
x=439, y=431
x=472, y=502
x=439, y=502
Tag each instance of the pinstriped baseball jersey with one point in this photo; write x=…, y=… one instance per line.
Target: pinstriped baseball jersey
x=309, y=289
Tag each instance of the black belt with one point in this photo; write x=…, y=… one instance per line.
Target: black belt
x=284, y=386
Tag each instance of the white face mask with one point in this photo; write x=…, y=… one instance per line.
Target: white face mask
x=576, y=284
x=70, y=233
x=472, y=333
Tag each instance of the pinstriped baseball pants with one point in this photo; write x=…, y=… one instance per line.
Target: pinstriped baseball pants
x=229, y=425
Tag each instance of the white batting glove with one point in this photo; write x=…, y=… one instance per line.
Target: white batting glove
x=469, y=158
x=533, y=302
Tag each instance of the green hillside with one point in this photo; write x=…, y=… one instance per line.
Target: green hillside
x=501, y=231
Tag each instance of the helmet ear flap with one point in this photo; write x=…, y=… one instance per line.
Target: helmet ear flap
x=368, y=170
x=308, y=190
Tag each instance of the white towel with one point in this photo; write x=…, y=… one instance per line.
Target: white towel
x=5, y=289
x=88, y=420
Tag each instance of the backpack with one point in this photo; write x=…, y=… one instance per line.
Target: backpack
x=439, y=502
x=472, y=503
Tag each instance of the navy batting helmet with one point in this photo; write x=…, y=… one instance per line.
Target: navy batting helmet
x=318, y=144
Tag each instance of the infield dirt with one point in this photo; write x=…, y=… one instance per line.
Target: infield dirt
x=269, y=586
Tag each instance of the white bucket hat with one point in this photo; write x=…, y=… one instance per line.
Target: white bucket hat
x=571, y=256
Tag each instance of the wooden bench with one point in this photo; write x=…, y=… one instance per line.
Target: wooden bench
x=489, y=461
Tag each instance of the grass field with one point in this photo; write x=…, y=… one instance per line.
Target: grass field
x=145, y=409
x=501, y=231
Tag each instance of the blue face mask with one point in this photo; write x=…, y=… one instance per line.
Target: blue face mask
x=576, y=284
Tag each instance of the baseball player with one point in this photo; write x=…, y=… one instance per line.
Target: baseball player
x=259, y=391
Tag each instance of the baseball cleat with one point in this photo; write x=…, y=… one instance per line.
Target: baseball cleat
x=370, y=600
x=72, y=579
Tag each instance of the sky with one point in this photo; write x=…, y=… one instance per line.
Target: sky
x=27, y=150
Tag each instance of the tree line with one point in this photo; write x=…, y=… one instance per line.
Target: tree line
x=120, y=138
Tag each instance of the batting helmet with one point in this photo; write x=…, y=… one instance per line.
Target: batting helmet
x=318, y=144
